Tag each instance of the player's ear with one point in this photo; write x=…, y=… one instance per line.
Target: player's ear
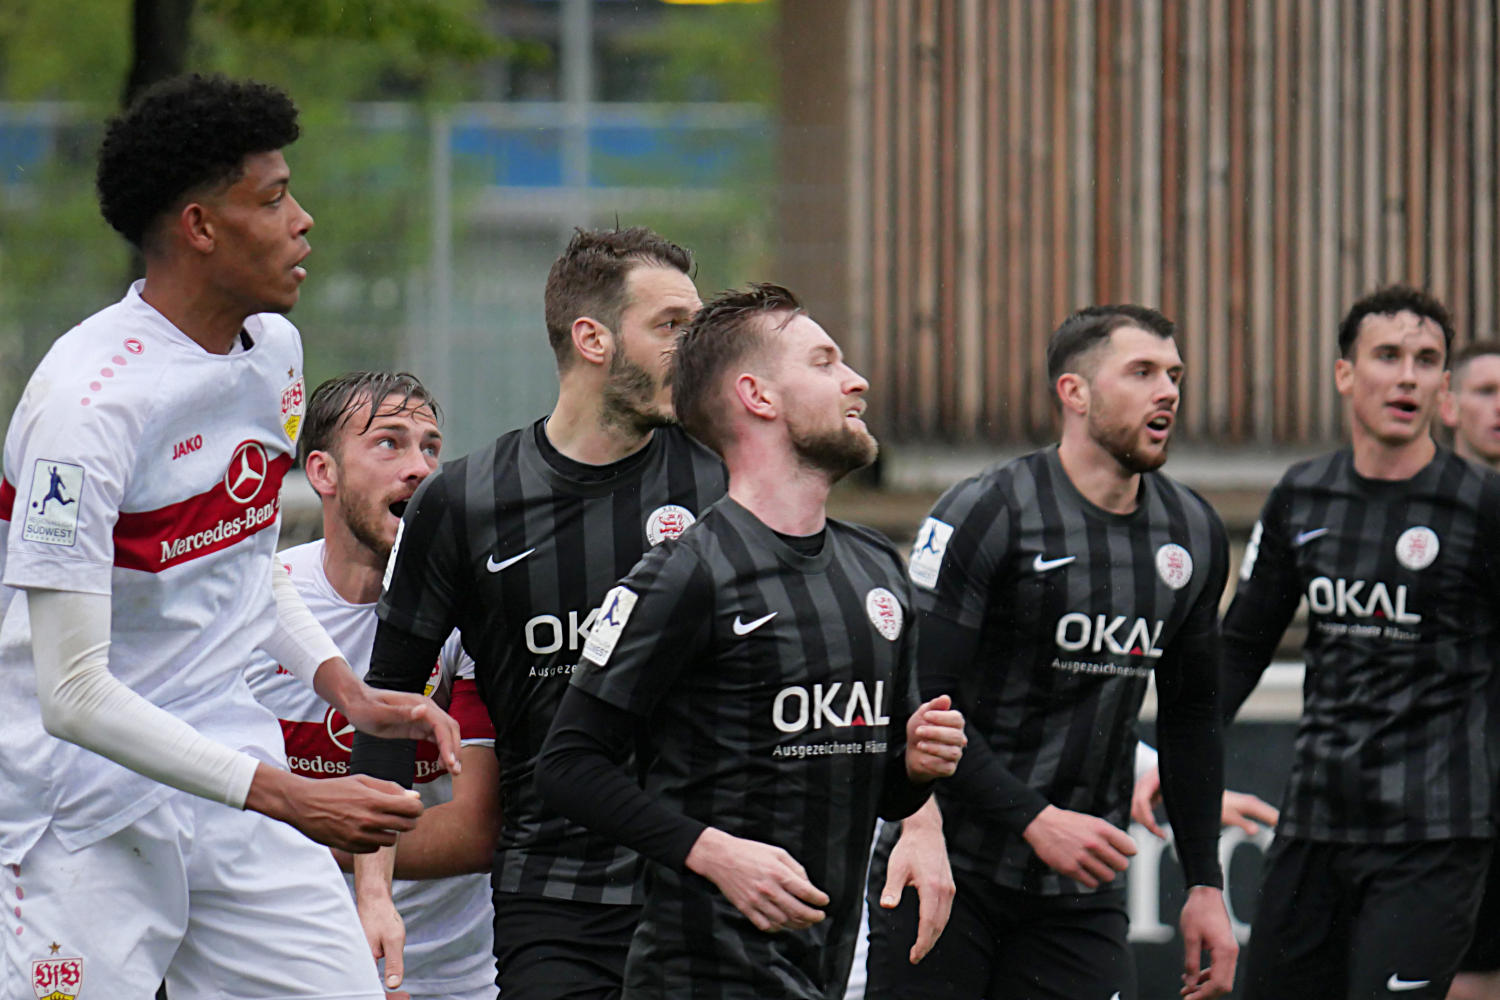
x=754, y=394
x=195, y=226
x=322, y=473
x=1073, y=393
x=1343, y=376
x=592, y=340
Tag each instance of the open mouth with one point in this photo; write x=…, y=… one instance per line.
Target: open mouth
x=1403, y=406
x=398, y=508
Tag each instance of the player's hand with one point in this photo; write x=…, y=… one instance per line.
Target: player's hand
x=401, y=715
x=356, y=814
x=1247, y=811
x=935, y=740
x=385, y=931
x=1205, y=928
x=920, y=860
x=1144, y=800
x=765, y=883
x=1085, y=848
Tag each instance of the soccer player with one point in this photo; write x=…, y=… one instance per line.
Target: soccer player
x=1371, y=885
x=515, y=546
x=769, y=653
x=132, y=612
x=1050, y=588
x=1471, y=409
x=368, y=440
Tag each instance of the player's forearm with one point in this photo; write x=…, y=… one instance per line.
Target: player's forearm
x=373, y=872
x=83, y=703
x=580, y=775
x=1191, y=755
x=400, y=661
x=297, y=641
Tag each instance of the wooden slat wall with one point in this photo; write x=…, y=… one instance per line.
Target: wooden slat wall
x=1248, y=166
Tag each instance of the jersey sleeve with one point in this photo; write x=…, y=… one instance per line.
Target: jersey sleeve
x=647, y=630
x=424, y=575
x=957, y=552
x=1263, y=605
x=69, y=465
x=1190, y=740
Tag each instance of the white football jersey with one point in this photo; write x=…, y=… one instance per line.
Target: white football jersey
x=139, y=465
x=449, y=922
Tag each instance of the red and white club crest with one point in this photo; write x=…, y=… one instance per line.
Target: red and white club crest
x=1417, y=547
x=134, y=346
x=1174, y=564
x=247, y=471
x=668, y=522
x=885, y=612
x=56, y=978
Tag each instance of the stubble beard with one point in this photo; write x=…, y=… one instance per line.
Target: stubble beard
x=629, y=391
x=1119, y=441
x=835, y=453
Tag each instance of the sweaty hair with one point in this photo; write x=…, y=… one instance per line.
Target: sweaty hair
x=334, y=402
x=1091, y=326
x=1389, y=301
x=1470, y=351
x=726, y=331
x=589, y=278
x=182, y=135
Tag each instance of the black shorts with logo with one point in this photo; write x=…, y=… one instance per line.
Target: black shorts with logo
x=1363, y=920
x=1004, y=944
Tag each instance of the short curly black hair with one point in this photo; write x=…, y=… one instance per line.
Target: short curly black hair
x=1389, y=301
x=183, y=134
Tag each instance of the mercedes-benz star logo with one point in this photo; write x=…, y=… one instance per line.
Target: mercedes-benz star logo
x=247, y=470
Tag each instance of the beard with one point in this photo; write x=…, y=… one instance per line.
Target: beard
x=367, y=525
x=629, y=394
x=1120, y=439
x=836, y=453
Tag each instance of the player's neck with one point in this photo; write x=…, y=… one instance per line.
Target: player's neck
x=353, y=571
x=785, y=494
x=578, y=430
x=1097, y=475
x=1375, y=459
x=193, y=308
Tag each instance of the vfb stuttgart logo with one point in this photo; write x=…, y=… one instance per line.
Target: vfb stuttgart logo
x=247, y=471
x=56, y=978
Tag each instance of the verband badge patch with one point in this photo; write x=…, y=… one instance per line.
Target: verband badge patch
x=52, y=507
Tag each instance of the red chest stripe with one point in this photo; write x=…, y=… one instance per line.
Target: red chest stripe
x=243, y=503
x=7, y=499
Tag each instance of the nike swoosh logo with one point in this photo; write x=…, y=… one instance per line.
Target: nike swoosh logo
x=1043, y=565
x=1303, y=537
x=495, y=567
x=745, y=628
x=1398, y=985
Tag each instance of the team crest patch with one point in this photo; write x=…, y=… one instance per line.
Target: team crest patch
x=666, y=522
x=52, y=510
x=293, y=405
x=57, y=978
x=1174, y=564
x=927, y=552
x=885, y=612
x=433, y=679
x=1417, y=547
x=608, y=624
